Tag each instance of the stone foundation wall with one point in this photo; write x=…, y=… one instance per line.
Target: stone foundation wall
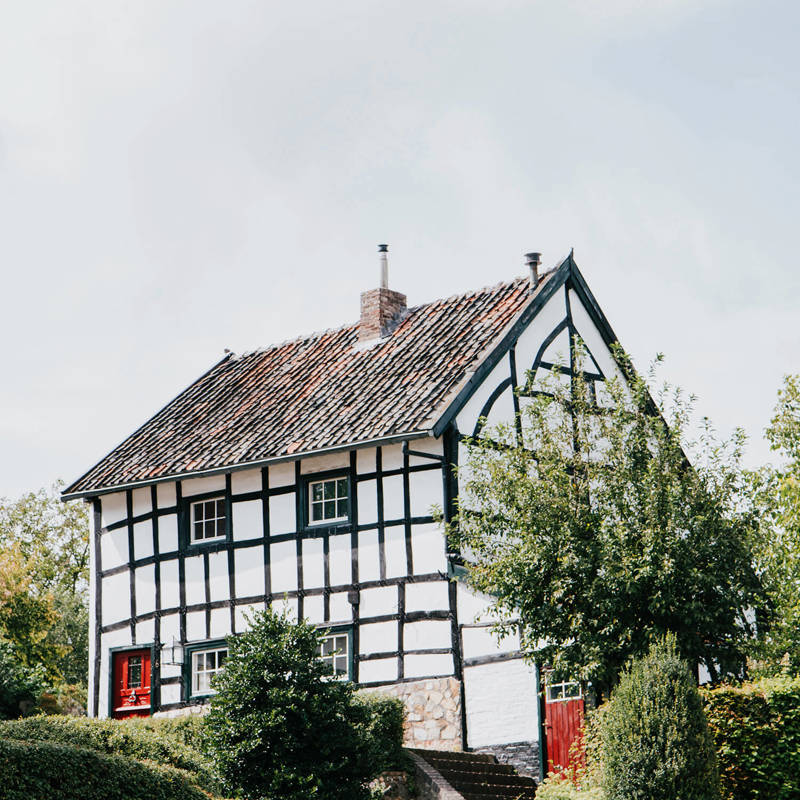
x=523, y=756
x=433, y=712
x=185, y=711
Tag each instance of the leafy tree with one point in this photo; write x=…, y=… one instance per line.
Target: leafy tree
x=44, y=578
x=655, y=740
x=776, y=489
x=586, y=522
x=20, y=685
x=281, y=728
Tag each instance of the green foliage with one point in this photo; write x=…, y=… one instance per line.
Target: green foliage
x=564, y=787
x=379, y=722
x=586, y=522
x=145, y=739
x=656, y=743
x=756, y=729
x=281, y=729
x=44, y=769
x=776, y=489
x=44, y=579
x=20, y=686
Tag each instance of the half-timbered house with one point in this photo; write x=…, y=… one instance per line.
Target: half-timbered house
x=304, y=476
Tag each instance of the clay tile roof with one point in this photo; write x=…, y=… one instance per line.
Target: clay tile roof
x=316, y=392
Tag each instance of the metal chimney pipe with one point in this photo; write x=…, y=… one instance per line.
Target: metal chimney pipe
x=533, y=261
x=383, y=250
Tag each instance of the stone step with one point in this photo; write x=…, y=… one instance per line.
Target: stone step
x=454, y=755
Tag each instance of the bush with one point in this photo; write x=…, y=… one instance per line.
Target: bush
x=132, y=738
x=280, y=728
x=380, y=726
x=656, y=743
x=42, y=770
x=756, y=729
x=20, y=686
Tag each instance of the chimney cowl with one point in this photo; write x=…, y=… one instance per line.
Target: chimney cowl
x=382, y=309
x=533, y=260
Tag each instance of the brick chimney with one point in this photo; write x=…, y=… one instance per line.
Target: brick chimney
x=381, y=309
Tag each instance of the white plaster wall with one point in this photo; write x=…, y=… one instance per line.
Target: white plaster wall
x=429, y=633
x=326, y=462
x=145, y=585
x=248, y=567
x=428, y=549
x=143, y=539
x=243, y=613
x=501, y=703
x=168, y=533
x=381, y=669
x=120, y=638
x=220, y=623
x=313, y=563
x=247, y=520
x=166, y=496
x=426, y=490
x=365, y=460
x=145, y=631
x=142, y=501
x=482, y=642
x=378, y=601
x=426, y=445
x=394, y=539
x=377, y=637
x=196, y=626
x=282, y=514
x=423, y=665
x=93, y=621
x=393, y=504
x=528, y=344
x=214, y=483
x=114, y=548
x=116, y=598
x=341, y=610
x=340, y=564
x=472, y=607
x=246, y=480
x=170, y=628
x=194, y=579
x=281, y=474
x=428, y=596
x=369, y=564
x=169, y=584
x=367, y=502
x=219, y=587
x=314, y=609
x=113, y=508
x=283, y=566
x=591, y=336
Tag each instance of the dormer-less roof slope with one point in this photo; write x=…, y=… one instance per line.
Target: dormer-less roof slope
x=319, y=392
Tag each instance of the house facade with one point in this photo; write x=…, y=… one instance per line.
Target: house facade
x=305, y=477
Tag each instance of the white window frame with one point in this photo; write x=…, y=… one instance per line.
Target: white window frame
x=194, y=673
x=330, y=658
x=193, y=519
x=563, y=687
x=334, y=479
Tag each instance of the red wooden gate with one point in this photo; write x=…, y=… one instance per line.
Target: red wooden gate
x=563, y=704
x=131, y=684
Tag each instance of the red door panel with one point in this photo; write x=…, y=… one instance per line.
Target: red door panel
x=563, y=720
x=131, y=684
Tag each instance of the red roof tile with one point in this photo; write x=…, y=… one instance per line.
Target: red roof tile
x=316, y=392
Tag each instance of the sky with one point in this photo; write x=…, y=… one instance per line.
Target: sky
x=177, y=178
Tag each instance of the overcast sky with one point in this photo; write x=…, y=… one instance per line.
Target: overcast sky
x=181, y=177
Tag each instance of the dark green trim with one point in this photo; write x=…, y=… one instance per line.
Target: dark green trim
x=542, y=739
x=186, y=673
x=304, y=524
x=185, y=542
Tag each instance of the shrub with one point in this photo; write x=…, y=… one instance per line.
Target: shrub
x=656, y=744
x=131, y=738
x=558, y=786
x=380, y=725
x=43, y=769
x=756, y=729
x=280, y=728
x=20, y=686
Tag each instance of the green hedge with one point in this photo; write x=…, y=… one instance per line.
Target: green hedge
x=382, y=720
x=161, y=742
x=756, y=729
x=34, y=770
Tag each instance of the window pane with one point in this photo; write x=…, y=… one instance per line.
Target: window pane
x=330, y=509
x=341, y=487
x=341, y=508
x=327, y=646
x=316, y=491
x=221, y=509
x=329, y=490
x=221, y=656
x=316, y=512
x=210, y=529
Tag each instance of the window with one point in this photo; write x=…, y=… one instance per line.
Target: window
x=208, y=520
x=568, y=690
x=134, y=672
x=334, y=650
x=328, y=501
x=205, y=665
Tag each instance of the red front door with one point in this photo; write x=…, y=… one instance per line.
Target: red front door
x=131, y=684
x=563, y=712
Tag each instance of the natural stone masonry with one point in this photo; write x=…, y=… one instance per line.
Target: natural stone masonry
x=433, y=712
x=523, y=756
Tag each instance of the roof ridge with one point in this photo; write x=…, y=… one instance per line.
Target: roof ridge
x=316, y=334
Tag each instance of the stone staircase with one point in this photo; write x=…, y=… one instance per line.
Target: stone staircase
x=472, y=776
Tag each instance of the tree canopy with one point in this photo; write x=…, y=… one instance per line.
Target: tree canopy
x=595, y=523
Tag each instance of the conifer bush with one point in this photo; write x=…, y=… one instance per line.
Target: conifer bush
x=282, y=728
x=655, y=740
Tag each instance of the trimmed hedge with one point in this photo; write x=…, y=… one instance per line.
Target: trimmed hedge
x=756, y=729
x=161, y=742
x=32, y=770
